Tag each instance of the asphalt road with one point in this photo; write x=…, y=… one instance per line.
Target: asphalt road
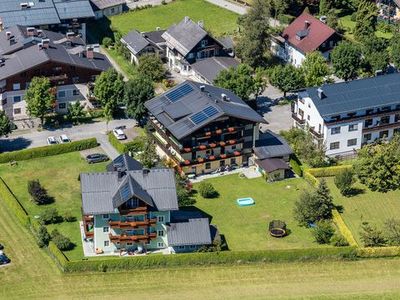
x=33, y=138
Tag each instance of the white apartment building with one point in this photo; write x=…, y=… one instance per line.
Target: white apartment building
x=345, y=116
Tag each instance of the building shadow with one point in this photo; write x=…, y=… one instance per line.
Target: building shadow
x=13, y=144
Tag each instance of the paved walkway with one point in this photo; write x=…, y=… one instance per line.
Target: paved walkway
x=236, y=8
x=248, y=172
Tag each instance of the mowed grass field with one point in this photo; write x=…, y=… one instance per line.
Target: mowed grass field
x=372, y=207
x=246, y=228
x=59, y=175
x=33, y=275
x=217, y=20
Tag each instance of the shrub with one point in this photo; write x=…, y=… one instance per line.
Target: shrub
x=296, y=165
x=207, y=190
x=371, y=236
x=344, y=182
x=50, y=216
x=184, y=197
x=48, y=150
x=338, y=240
x=107, y=42
x=57, y=255
x=62, y=242
x=43, y=237
x=323, y=232
x=329, y=171
x=38, y=193
x=392, y=229
x=68, y=217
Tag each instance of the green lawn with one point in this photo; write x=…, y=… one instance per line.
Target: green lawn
x=217, y=20
x=246, y=228
x=129, y=69
x=59, y=175
x=372, y=207
x=33, y=275
x=349, y=25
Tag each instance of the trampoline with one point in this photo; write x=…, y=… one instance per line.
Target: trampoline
x=277, y=228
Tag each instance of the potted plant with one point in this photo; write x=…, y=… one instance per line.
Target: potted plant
x=202, y=147
x=212, y=157
x=223, y=155
x=213, y=145
x=231, y=142
x=222, y=144
x=218, y=131
x=187, y=149
x=200, y=159
x=231, y=129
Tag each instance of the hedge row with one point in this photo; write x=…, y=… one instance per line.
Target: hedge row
x=121, y=148
x=378, y=252
x=295, y=164
x=8, y=197
x=48, y=150
x=329, y=171
x=204, y=259
x=310, y=178
x=344, y=230
x=133, y=146
x=57, y=255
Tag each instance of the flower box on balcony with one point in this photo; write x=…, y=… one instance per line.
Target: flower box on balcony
x=187, y=149
x=200, y=159
x=202, y=147
x=213, y=145
x=187, y=162
x=212, y=157
x=236, y=153
x=231, y=129
x=208, y=133
x=218, y=131
x=231, y=142
x=222, y=144
x=223, y=155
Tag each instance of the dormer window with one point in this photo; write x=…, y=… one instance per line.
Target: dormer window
x=204, y=43
x=132, y=203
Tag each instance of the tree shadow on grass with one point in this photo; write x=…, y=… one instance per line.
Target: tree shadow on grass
x=13, y=144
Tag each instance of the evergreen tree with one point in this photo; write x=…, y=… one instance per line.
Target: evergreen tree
x=366, y=19
x=149, y=156
x=5, y=124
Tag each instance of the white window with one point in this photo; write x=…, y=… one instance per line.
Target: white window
x=160, y=245
x=334, y=146
x=160, y=233
x=17, y=99
x=106, y=216
x=353, y=127
x=351, y=142
x=61, y=94
x=106, y=243
x=16, y=86
x=106, y=229
x=335, y=130
x=160, y=219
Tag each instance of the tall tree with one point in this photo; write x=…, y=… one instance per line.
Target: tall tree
x=76, y=112
x=137, y=92
x=241, y=81
x=254, y=38
x=376, y=55
x=5, y=124
x=286, y=78
x=315, y=69
x=109, y=90
x=366, y=19
x=39, y=98
x=148, y=157
x=346, y=60
x=151, y=66
x=394, y=50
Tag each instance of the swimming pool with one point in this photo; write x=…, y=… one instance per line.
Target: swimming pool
x=245, y=201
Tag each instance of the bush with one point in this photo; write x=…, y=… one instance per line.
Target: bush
x=68, y=217
x=295, y=164
x=184, y=197
x=338, y=240
x=62, y=242
x=329, y=171
x=207, y=190
x=48, y=150
x=323, y=232
x=107, y=42
x=371, y=236
x=392, y=230
x=57, y=255
x=38, y=193
x=50, y=216
x=344, y=182
x=43, y=237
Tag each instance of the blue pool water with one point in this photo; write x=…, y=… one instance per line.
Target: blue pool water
x=245, y=201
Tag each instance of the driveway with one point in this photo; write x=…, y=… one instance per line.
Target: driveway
x=279, y=117
x=34, y=138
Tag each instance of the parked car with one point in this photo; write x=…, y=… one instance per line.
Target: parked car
x=51, y=140
x=4, y=259
x=64, y=139
x=96, y=157
x=119, y=134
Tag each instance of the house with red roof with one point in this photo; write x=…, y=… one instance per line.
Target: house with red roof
x=304, y=35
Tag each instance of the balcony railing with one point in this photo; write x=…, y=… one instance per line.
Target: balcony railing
x=297, y=119
x=381, y=127
x=318, y=135
x=210, y=158
x=132, y=238
x=133, y=224
x=366, y=116
x=133, y=211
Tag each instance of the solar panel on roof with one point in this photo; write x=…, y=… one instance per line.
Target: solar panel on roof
x=210, y=111
x=199, y=117
x=180, y=92
x=125, y=192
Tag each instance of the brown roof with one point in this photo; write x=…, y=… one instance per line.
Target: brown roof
x=312, y=31
x=272, y=164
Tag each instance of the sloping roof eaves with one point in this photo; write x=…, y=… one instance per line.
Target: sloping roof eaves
x=74, y=9
x=209, y=68
x=271, y=145
x=102, y=4
x=272, y=164
x=193, y=232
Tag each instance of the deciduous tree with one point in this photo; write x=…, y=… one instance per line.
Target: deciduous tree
x=286, y=78
x=366, y=19
x=39, y=98
x=346, y=60
x=315, y=69
x=76, y=112
x=137, y=92
x=151, y=66
x=5, y=124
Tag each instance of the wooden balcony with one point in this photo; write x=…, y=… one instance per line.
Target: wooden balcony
x=133, y=211
x=297, y=119
x=381, y=127
x=133, y=224
x=316, y=134
x=210, y=158
x=132, y=238
x=88, y=221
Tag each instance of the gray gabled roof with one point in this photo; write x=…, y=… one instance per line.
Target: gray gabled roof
x=124, y=162
x=102, y=4
x=272, y=164
x=209, y=68
x=176, y=116
x=105, y=192
x=184, y=36
x=73, y=9
x=352, y=96
x=135, y=41
x=271, y=145
x=192, y=232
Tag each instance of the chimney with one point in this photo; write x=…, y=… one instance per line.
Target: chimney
x=1, y=25
x=223, y=97
x=40, y=46
x=158, y=28
x=187, y=19
x=200, y=23
x=89, y=52
x=30, y=31
x=321, y=94
x=45, y=43
x=145, y=171
x=306, y=24
x=39, y=32
x=2, y=61
x=70, y=35
x=24, y=5
x=202, y=88
x=8, y=34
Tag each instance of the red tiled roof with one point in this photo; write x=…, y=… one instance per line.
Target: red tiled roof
x=318, y=33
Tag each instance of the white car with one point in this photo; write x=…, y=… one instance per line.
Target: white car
x=119, y=134
x=51, y=140
x=64, y=139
